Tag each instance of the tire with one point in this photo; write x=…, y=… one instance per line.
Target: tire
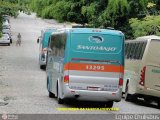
x=43, y=67
x=109, y=104
x=60, y=101
x=159, y=103
x=51, y=95
x=128, y=96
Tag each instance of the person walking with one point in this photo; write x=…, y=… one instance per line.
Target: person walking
x=18, y=39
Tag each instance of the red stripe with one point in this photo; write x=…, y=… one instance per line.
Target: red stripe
x=94, y=67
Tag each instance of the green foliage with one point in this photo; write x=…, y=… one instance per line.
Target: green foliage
x=98, y=13
x=116, y=14
x=8, y=8
x=91, y=13
x=150, y=25
x=60, y=13
x=0, y=34
x=74, y=15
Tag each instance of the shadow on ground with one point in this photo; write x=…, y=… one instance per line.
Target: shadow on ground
x=141, y=102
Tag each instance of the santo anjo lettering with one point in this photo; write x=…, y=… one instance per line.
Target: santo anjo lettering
x=100, y=48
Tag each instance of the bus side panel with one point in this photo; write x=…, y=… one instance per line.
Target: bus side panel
x=152, y=73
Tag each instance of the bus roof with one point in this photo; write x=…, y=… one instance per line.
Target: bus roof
x=48, y=28
x=144, y=38
x=148, y=37
x=91, y=30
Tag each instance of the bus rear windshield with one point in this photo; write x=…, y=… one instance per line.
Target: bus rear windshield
x=96, y=43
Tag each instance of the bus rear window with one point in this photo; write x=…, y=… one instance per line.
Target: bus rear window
x=96, y=43
x=134, y=50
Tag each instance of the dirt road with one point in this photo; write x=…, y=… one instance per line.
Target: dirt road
x=23, y=84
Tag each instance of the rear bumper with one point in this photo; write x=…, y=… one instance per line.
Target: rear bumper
x=4, y=41
x=87, y=95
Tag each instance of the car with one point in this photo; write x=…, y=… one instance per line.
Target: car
x=9, y=37
x=6, y=30
x=5, y=39
x=6, y=22
x=6, y=26
x=6, y=18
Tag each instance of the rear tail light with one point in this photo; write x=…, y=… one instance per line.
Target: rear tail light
x=121, y=82
x=142, y=76
x=66, y=79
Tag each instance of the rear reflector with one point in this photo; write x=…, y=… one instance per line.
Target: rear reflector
x=120, y=82
x=66, y=79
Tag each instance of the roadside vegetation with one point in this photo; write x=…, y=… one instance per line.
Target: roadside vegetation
x=133, y=17
x=130, y=16
x=11, y=8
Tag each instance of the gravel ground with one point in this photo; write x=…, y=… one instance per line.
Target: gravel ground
x=23, y=84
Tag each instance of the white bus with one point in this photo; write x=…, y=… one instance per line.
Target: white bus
x=142, y=69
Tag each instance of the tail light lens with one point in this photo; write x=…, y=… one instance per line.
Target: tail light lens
x=142, y=76
x=66, y=79
x=121, y=82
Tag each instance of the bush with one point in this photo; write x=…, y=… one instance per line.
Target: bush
x=150, y=25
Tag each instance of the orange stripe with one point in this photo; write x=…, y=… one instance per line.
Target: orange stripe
x=94, y=67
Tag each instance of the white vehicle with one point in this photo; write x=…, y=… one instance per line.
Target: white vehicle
x=5, y=39
x=6, y=24
x=43, y=45
x=142, y=69
x=6, y=30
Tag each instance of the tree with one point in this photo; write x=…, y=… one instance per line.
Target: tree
x=97, y=13
x=8, y=7
x=150, y=25
x=116, y=13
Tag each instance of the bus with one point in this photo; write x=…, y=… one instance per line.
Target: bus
x=43, y=44
x=142, y=69
x=86, y=64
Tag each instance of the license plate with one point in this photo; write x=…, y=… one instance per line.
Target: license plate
x=93, y=88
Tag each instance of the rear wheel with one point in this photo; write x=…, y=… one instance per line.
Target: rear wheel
x=159, y=103
x=51, y=95
x=60, y=101
x=109, y=104
x=42, y=67
x=127, y=95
